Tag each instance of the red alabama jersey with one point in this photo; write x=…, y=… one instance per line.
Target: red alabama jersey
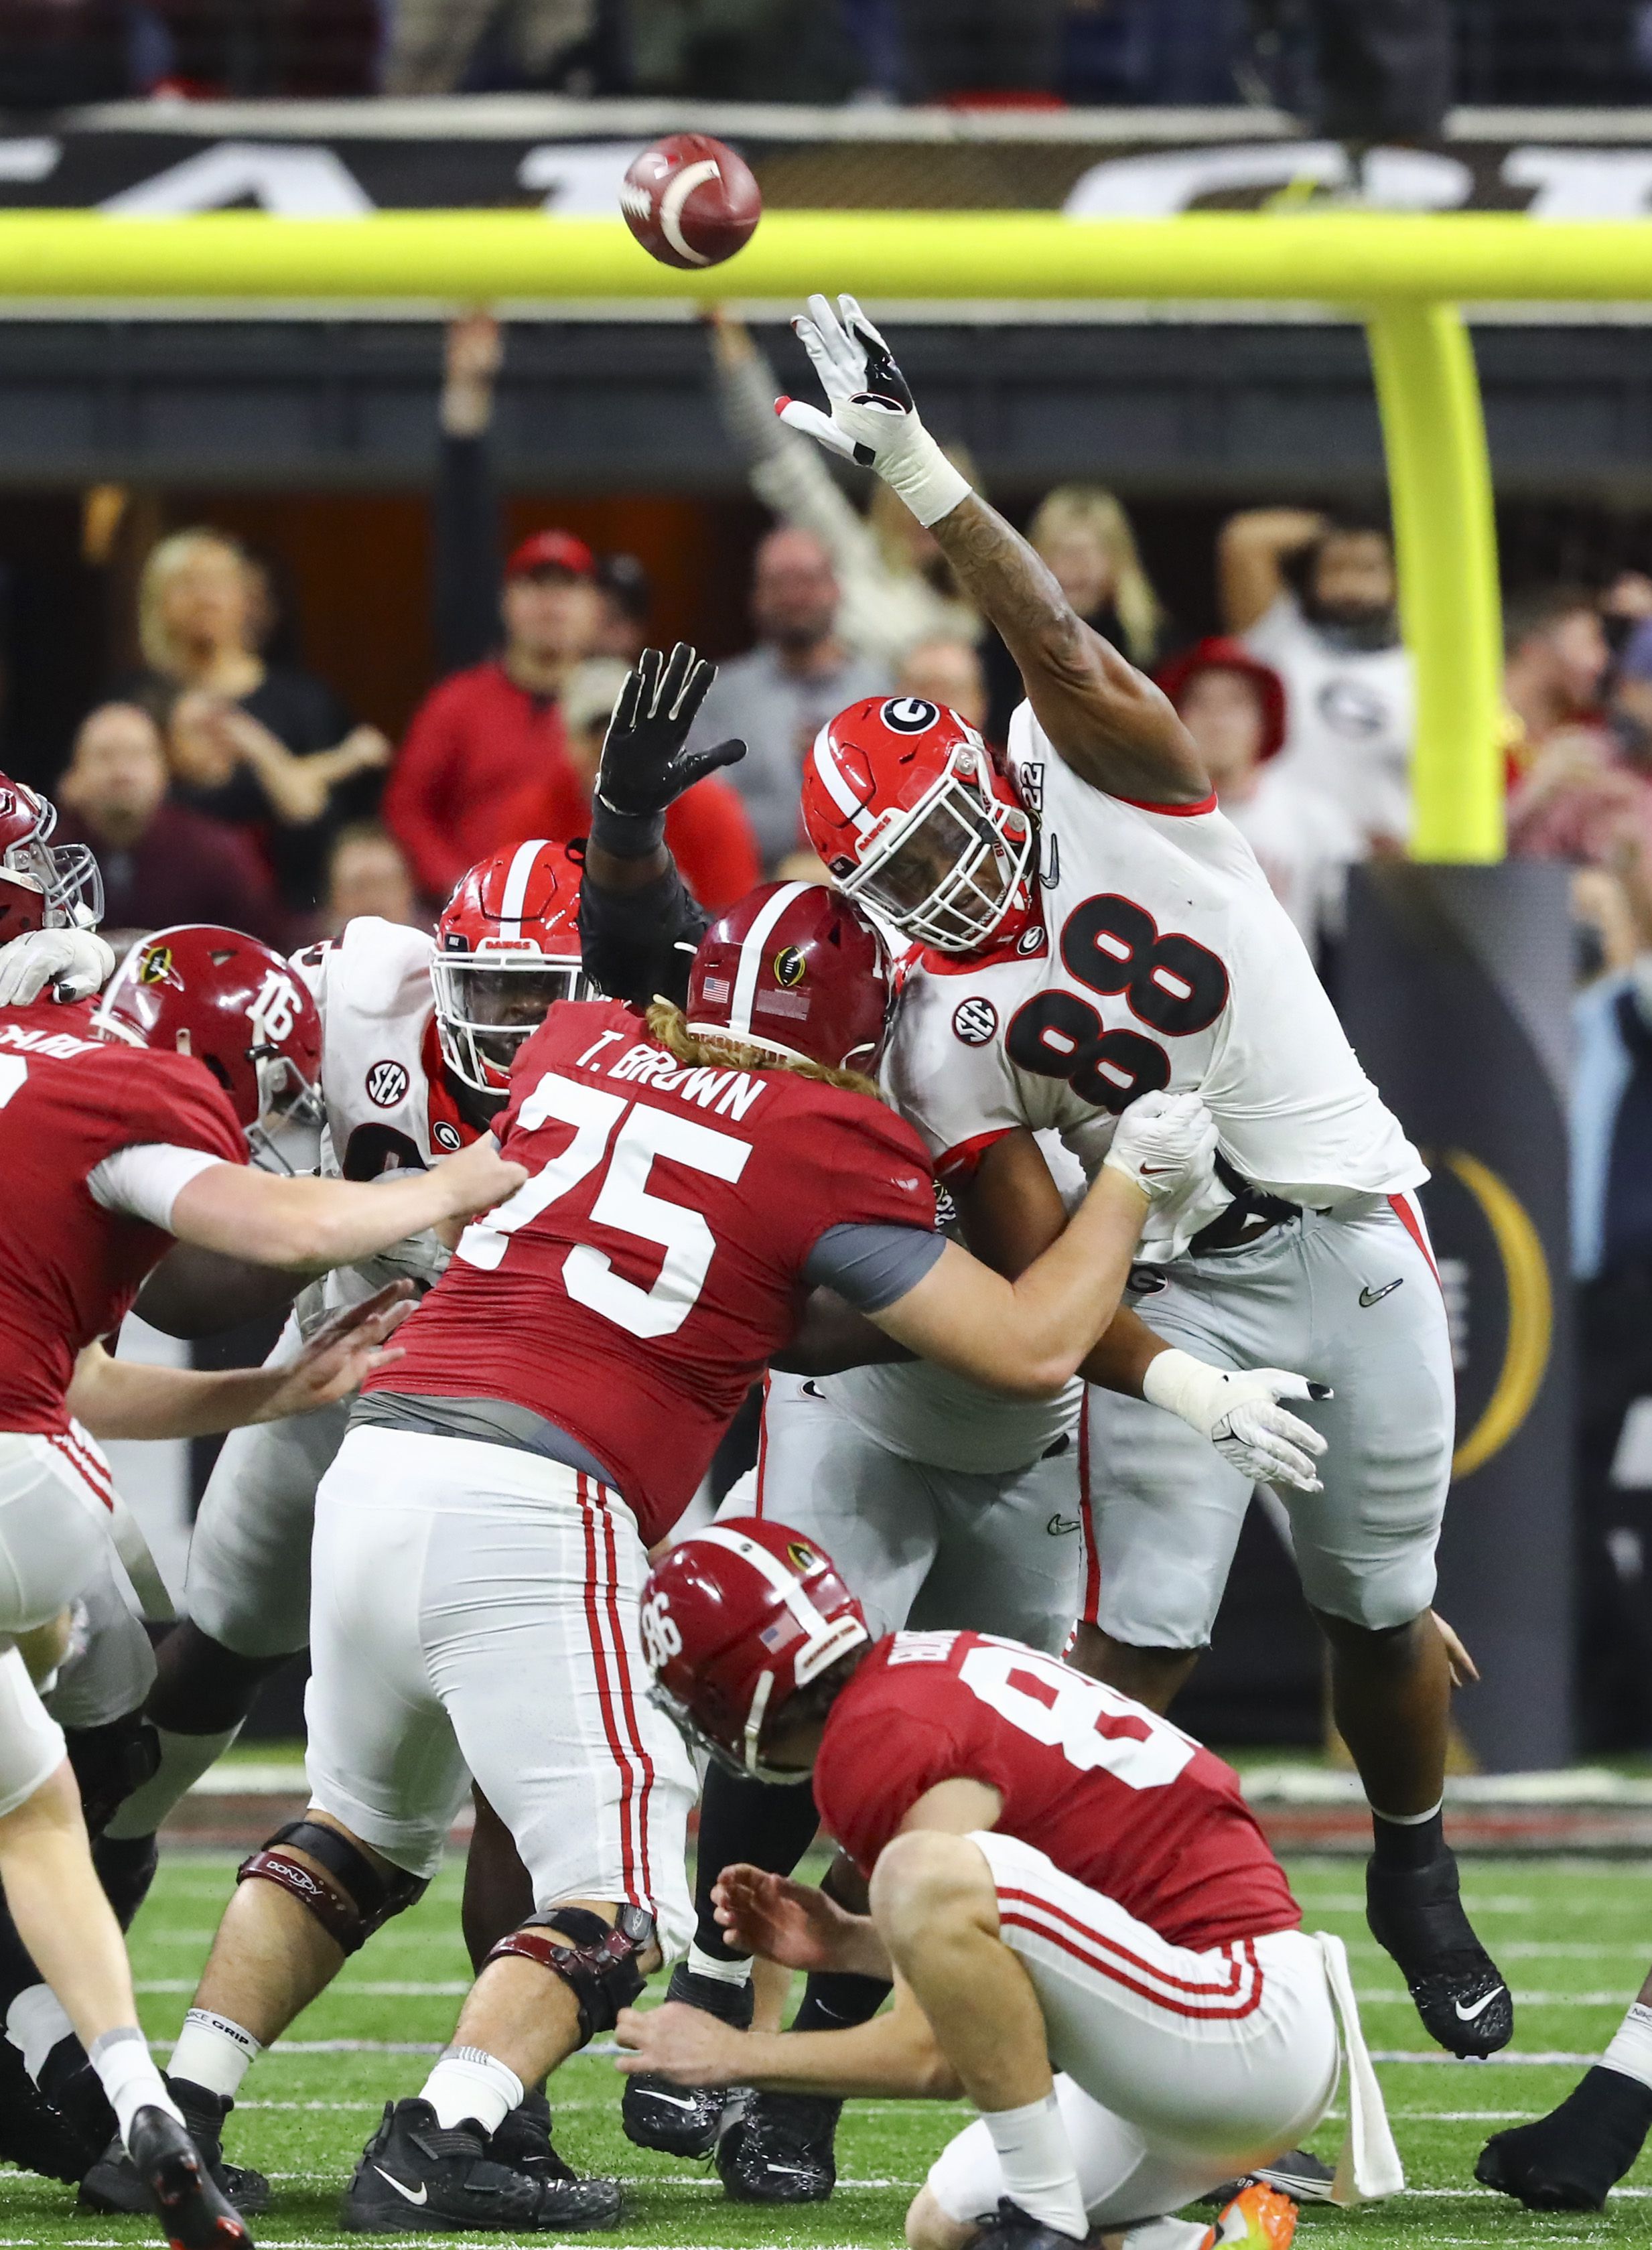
x=1115, y=1795
x=71, y=1268
x=634, y=1289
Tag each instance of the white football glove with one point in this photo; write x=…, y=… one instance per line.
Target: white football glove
x=1162, y=1143
x=76, y=962
x=1242, y=1415
x=871, y=418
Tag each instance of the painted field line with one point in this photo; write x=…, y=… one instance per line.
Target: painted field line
x=1493, y=2195
x=1546, y=2058
x=1546, y=1948
x=1619, y=1998
x=446, y=1988
x=1415, y=2117
x=1366, y=1951
x=635, y=2180
x=341, y=2047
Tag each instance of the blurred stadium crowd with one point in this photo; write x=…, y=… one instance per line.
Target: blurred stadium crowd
x=1355, y=66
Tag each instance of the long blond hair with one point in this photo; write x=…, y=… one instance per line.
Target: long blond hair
x=1092, y=509
x=714, y=1051
x=162, y=564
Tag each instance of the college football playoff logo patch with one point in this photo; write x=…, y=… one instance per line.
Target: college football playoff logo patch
x=156, y=966
x=788, y=967
x=386, y=1084
x=975, y=1021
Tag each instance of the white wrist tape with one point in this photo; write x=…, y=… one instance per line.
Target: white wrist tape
x=1184, y=1386
x=917, y=471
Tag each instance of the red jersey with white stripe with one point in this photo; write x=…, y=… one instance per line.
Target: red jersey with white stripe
x=1117, y=1798
x=638, y=1284
x=71, y=1268
x=1158, y=958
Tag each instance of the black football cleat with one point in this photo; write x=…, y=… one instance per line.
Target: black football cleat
x=180, y=2191
x=524, y=2142
x=34, y=2135
x=1571, y=2159
x=777, y=2148
x=1299, y=2174
x=1415, y=1914
x=416, y=2177
x=75, y=2093
x=683, y=2121
x=112, y=2182
x=1302, y=2175
x=1011, y=2228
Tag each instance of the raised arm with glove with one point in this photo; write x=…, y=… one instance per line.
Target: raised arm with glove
x=1106, y=720
x=638, y=924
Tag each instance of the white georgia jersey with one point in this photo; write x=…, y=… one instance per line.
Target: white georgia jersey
x=1161, y=960
x=388, y=1106
x=926, y=1413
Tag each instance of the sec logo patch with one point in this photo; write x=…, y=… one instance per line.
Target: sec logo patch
x=386, y=1084
x=975, y=1021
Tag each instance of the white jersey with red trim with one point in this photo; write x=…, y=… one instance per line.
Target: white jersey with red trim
x=388, y=1106
x=1159, y=958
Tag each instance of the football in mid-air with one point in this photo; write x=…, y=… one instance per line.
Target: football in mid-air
x=690, y=201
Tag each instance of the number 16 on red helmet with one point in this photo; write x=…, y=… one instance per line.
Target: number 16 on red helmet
x=736, y=1621
x=234, y=1004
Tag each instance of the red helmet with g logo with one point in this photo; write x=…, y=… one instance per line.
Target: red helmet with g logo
x=506, y=950
x=798, y=971
x=735, y=1621
x=903, y=801
x=42, y=884
x=235, y=1005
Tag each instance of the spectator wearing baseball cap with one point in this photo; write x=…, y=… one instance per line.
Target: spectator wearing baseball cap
x=490, y=730
x=1233, y=706
x=707, y=829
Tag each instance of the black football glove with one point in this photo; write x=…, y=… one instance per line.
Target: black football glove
x=644, y=768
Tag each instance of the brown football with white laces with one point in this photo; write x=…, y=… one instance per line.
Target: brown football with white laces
x=690, y=201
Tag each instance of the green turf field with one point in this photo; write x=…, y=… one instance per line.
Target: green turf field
x=1573, y=1936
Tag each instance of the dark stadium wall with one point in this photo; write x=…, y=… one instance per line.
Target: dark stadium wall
x=1455, y=988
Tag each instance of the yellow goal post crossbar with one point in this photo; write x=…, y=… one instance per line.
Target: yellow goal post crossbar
x=1404, y=275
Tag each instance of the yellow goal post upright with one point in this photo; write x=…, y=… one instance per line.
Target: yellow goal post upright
x=1406, y=276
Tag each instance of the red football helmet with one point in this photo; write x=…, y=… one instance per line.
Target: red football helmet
x=506, y=950
x=902, y=800
x=796, y=969
x=235, y=1005
x=42, y=884
x=735, y=1621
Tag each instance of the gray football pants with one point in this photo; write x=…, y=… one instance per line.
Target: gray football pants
x=1352, y=1301
x=920, y=1545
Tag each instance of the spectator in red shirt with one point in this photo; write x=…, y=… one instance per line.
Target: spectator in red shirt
x=707, y=829
x=492, y=730
x=161, y=861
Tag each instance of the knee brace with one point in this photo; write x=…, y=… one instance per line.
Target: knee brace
x=346, y=1893
x=109, y=1763
x=599, y=1968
